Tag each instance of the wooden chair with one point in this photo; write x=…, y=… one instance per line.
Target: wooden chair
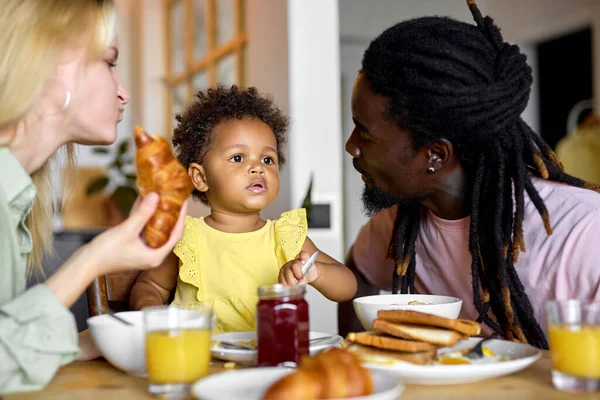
x=111, y=291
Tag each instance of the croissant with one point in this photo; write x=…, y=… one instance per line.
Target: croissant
x=332, y=374
x=159, y=171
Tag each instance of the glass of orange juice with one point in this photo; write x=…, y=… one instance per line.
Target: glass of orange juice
x=574, y=338
x=177, y=348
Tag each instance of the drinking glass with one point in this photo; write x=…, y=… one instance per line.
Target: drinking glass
x=177, y=348
x=574, y=338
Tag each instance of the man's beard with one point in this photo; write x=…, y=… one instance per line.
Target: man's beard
x=375, y=199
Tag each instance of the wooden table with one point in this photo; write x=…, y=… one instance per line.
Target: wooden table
x=93, y=380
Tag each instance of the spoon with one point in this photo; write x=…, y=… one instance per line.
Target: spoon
x=309, y=263
x=477, y=351
x=231, y=345
x=240, y=346
x=320, y=339
x=111, y=313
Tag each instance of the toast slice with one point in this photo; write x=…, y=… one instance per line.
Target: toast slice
x=382, y=341
x=428, y=334
x=368, y=354
x=465, y=326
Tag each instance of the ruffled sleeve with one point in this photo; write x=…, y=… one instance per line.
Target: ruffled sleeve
x=290, y=234
x=187, y=251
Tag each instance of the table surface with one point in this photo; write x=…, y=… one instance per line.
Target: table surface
x=99, y=380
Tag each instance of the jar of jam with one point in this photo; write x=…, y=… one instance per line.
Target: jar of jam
x=282, y=324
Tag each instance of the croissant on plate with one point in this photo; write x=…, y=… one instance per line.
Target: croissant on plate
x=159, y=171
x=332, y=374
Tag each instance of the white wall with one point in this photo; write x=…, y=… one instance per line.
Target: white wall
x=367, y=19
x=315, y=138
x=534, y=20
x=350, y=61
x=520, y=20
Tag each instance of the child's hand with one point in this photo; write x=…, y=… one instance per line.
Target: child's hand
x=291, y=273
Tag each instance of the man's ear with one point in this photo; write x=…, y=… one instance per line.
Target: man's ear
x=198, y=175
x=438, y=154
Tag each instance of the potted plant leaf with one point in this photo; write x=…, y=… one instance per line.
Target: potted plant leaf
x=307, y=202
x=119, y=183
x=317, y=214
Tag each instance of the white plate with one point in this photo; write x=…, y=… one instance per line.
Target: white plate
x=249, y=357
x=251, y=384
x=522, y=356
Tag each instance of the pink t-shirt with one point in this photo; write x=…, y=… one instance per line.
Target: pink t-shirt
x=563, y=265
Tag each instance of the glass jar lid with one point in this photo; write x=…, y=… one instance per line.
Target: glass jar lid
x=279, y=291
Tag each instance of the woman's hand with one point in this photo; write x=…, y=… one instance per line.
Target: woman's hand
x=123, y=247
x=117, y=249
x=291, y=273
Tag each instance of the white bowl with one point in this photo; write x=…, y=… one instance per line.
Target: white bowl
x=366, y=307
x=122, y=345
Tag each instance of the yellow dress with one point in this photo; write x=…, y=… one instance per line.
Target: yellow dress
x=224, y=270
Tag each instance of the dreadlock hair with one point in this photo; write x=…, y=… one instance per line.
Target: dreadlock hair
x=192, y=136
x=453, y=80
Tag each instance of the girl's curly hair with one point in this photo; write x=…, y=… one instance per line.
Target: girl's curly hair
x=192, y=136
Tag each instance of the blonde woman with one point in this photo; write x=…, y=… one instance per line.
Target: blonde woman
x=58, y=86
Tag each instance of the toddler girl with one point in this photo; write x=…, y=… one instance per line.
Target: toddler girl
x=231, y=141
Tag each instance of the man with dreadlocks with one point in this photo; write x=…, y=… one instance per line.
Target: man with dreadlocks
x=476, y=204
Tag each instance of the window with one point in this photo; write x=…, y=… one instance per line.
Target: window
x=205, y=44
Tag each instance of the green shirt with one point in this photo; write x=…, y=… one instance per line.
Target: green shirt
x=38, y=333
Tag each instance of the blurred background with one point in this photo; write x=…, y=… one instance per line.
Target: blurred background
x=306, y=54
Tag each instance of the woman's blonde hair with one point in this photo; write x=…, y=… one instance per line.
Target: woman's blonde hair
x=34, y=34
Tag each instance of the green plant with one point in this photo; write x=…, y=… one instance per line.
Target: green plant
x=119, y=180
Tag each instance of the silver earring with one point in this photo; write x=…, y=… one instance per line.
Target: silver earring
x=49, y=103
x=67, y=101
x=430, y=169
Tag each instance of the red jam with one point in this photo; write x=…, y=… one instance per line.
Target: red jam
x=282, y=319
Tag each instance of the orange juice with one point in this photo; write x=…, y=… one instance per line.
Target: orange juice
x=575, y=349
x=177, y=356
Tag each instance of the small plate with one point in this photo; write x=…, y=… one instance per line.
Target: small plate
x=251, y=384
x=248, y=357
x=521, y=356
